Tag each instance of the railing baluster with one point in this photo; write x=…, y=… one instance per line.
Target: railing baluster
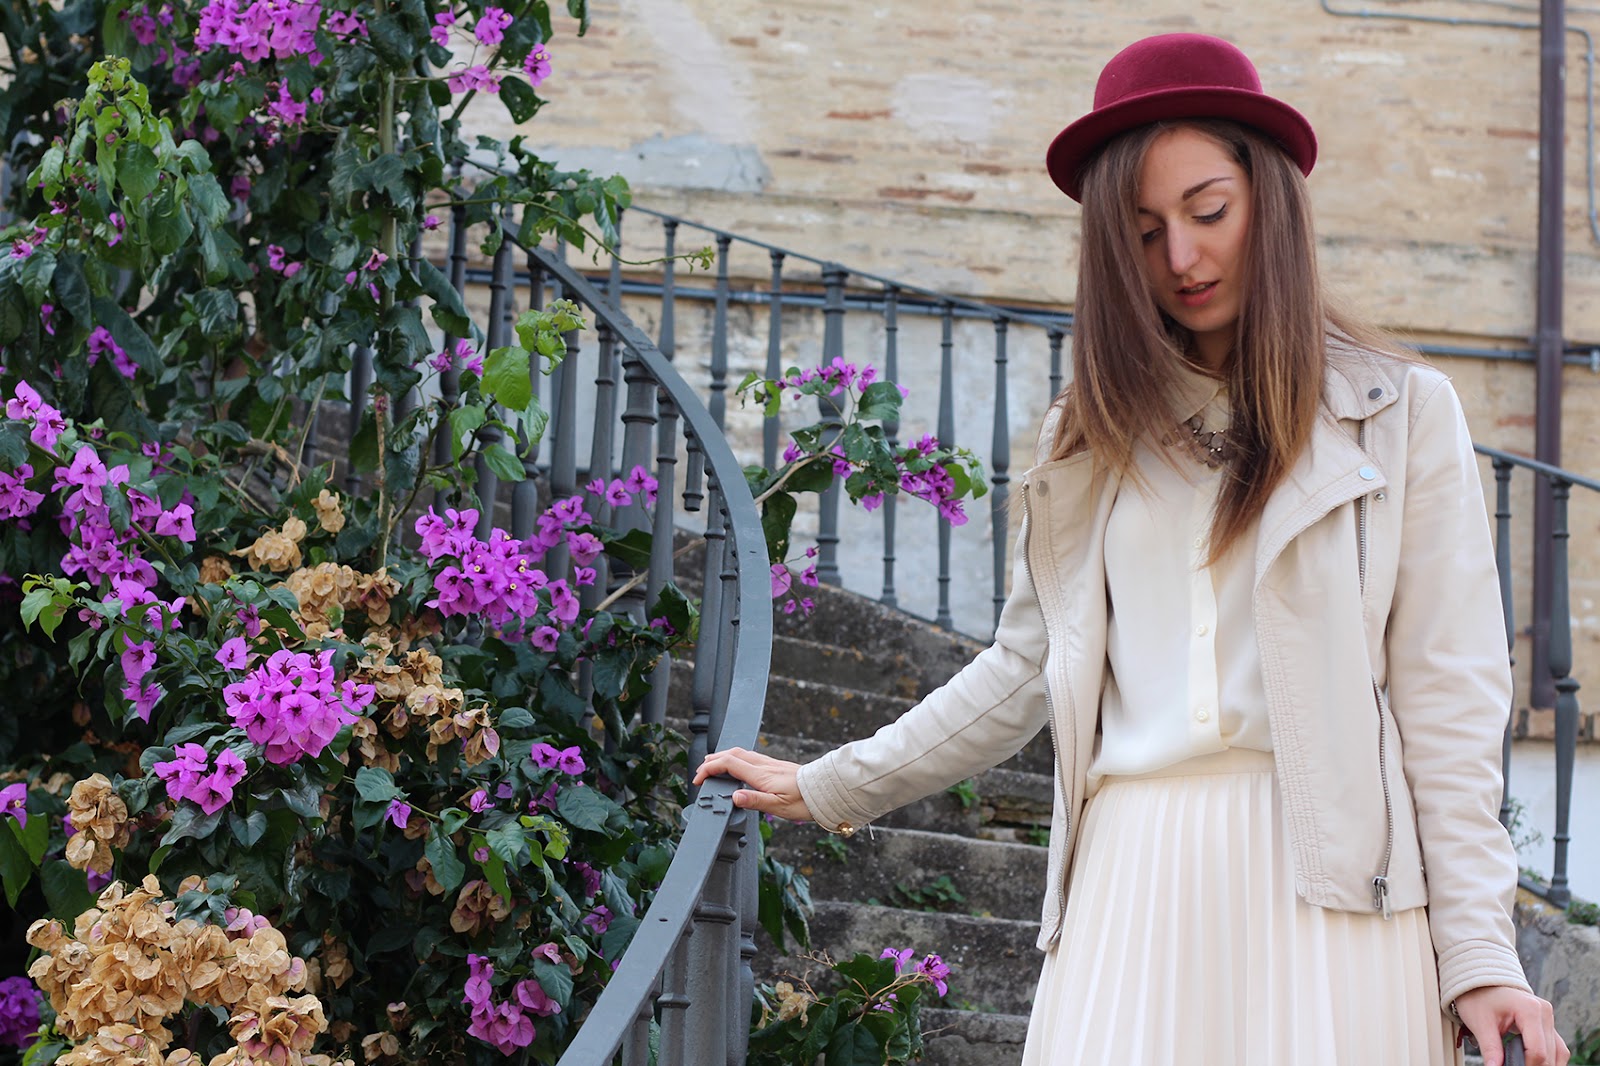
x=1000, y=466
x=749, y=905
x=360, y=384
x=674, y=1001
x=1502, y=562
x=600, y=448
x=833, y=279
x=525, y=496
x=719, y=337
x=1566, y=687
x=703, y=684
x=661, y=543
x=891, y=429
x=638, y=419
x=667, y=342
x=564, y=450
x=772, y=428
x=1055, y=363
x=716, y=928
x=636, y=1045
x=947, y=437
x=450, y=378
x=501, y=281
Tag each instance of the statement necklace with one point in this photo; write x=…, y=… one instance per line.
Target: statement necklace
x=1213, y=447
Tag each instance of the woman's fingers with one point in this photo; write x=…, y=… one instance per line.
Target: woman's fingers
x=772, y=785
x=1488, y=1013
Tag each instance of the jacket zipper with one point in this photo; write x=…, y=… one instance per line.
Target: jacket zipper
x=1050, y=713
x=1380, y=883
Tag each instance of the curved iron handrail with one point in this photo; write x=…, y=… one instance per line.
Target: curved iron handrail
x=713, y=819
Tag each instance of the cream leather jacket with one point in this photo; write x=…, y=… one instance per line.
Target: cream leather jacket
x=1383, y=656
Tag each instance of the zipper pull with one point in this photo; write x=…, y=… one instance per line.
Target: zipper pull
x=1380, y=896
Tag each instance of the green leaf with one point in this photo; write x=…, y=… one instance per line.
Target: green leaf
x=47, y=606
x=507, y=841
x=208, y=198
x=615, y=940
x=138, y=170
x=13, y=443
x=519, y=97
x=16, y=869
x=448, y=869
x=191, y=821
x=448, y=309
x=464, y=421
x=35, y=275
x=584, y=808
x=72, y=288
x=505, y=377
x=515, y=720
x=777, y=518
x=248, y=830
x=503, y=464
x=880, y=401
x=66, y=890
x=217, y=310
x=853, y=1044
x=633, y=547
x=35, y=836
x=375, y=785
x=556, y=980
x=128, y=334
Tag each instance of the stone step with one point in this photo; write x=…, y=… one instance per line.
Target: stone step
x=972, y=1038
x=895, y=673
x=918, y=870
x=815, y=710
x=846, y=619
x=1010, y=805
x=993, y=963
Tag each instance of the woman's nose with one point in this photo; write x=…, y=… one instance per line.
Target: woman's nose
x=1182, y=254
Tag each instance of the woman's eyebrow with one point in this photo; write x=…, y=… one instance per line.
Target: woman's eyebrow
x=1194, y=190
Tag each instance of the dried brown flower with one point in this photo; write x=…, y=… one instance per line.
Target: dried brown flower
x=330, y=512
x=277, y=550
x=100, y=819
x=214, y=570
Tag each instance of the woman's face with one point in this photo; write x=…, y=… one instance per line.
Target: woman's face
x=1194, y=215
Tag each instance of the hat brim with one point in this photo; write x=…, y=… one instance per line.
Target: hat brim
x=1074, y=145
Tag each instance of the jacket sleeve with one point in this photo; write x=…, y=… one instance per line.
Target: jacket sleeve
x=1450, y=691
x=979, y=718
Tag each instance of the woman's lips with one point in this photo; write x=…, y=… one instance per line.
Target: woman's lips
x=1195, y=295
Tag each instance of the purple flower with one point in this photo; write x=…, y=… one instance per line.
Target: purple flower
x=491, y=26
x=781, y=580
x=431, y=222
x=901, y=958
x=344, y=23
x=618, y=495
x=480, y=801
x=46, y=313
x=16, y=499
x=934, y=969
x=545, y=638
x=138, y=660
x=178, y=522
x=531, y=995
x=537, y=65
x=440, y=32
x=569, y=761
x=641, y=483
x=291, y=705
x=143, y=697
x=475, y=79
x=871, y=502
x=19, y=1011
x=234, y=654
x=14, y=801
x=585, y=548
x=598, y=919
x=399, y=813
x=793, y=453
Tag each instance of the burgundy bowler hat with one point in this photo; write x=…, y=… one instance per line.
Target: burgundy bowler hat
x=1176, y=76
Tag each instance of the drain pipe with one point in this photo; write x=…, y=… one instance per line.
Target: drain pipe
x=1548, y=344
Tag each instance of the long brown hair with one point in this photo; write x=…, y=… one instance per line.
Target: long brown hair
x=1125, y=351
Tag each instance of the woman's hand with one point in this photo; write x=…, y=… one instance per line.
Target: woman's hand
x=1489, y=1013
x=772, y=783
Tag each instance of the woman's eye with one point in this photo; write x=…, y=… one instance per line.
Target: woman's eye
x=1150, y=236
x=1215, y=216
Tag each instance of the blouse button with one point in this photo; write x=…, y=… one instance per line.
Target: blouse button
x=1202, y=715
x=1367, y=473
x=1202, y=630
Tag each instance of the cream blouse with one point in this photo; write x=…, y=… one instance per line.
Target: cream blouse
x=1184, y=675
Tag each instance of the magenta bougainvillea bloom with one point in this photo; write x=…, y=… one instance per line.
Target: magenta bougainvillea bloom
x=474, y=78
x=491, y=26
x=19, y=1012
x=537, y=65
x=14, y=801
x=191, y=775
x=292, y=706
x=398, y=813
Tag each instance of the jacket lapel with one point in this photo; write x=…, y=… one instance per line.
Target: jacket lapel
x=1333, y=469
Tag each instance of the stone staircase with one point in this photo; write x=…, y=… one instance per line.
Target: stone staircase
x=960, y=873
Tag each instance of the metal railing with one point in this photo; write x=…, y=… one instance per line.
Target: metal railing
x=1559, y=483
x=882, y=306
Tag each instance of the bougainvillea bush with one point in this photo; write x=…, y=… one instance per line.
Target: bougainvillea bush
x=289, y=772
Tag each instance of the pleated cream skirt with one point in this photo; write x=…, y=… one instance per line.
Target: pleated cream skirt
x=1185, y=944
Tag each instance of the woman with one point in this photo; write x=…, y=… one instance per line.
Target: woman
x=1274, y=837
